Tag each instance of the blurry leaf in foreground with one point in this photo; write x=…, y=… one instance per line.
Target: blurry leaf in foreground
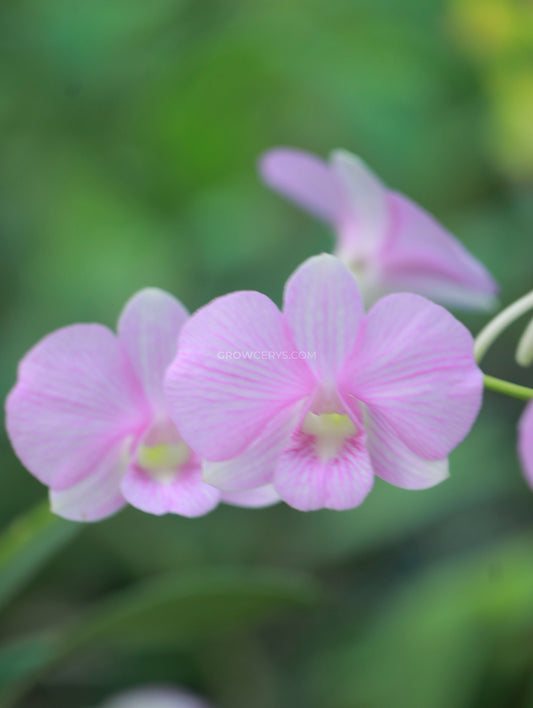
x=27, y=545
x=165, y=612
x=435, y=641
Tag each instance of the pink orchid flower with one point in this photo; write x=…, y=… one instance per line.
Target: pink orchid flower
x=319, y=398
x=155, y=697
x=389, y=242
x=88, y=418
x=525, y=442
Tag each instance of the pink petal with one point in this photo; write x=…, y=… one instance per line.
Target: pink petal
x=98, y=495
x=323, y=308
x=256, y=465
x=187, y=494
x=525, y=442
x=230, y=377
x=155, y=697
x=413, y=363
x=395, y=463
x=253, y=498
x=76, y=397
x=305, y=179
x=148, y=328
x=422, y=257
x=365, y=213
x=307, y=482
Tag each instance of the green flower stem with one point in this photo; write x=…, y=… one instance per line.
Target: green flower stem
x=507, y=388
x=490, y=333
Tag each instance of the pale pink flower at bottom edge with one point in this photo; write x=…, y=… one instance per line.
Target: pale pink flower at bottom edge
x=390, y=243
x=525, y=442
x=319, y=398
x=155, y=697
x=88, y=418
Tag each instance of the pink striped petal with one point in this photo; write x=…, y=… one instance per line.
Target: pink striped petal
x=323, y=307
x=98, y=495
x=305, y=179
x=76, y=397
x=148, y=328
x=253, y=498
x=422, y=257
x=395, y=463
x=256, y=465
x=307, y=482
x=413, y=363
x=525, y=442
x=366, y=219
x=230, y=378
x=186, y=494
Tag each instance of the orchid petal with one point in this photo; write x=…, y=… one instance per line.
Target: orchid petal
x=98, y=495
x=155, y=697
x=422, y=257
x=394, y=462
x=76, y=397
x=148, y=328
x=307, y=482
x=185, y=494
x=230, y=377
x=323, y=307
x=525, y=442
x=305, y=179
x=256, y=465
x=366, y=218
x=413, y=363
x=253, y=498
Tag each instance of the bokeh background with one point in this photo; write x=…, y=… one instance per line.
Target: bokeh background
x=130, y=134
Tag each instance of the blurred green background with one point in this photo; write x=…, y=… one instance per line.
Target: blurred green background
x=130, y=134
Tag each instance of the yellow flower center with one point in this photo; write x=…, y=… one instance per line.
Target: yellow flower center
x=163, y=461
x=330, y=431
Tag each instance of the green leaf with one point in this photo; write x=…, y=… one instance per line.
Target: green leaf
x=434, y=643
x=27, y=545
x=165, y=612
x=178, y=611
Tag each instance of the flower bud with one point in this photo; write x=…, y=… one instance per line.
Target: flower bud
x=524, y=351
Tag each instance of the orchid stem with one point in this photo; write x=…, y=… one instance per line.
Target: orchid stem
x=490, y=333
x=507, y=388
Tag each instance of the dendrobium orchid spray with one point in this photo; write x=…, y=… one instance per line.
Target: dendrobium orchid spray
x=362, y=373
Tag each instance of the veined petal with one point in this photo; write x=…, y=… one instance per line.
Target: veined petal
x=525, y=442
x=307, y=481
x=256, y=465
x=76, y=397
x=323, y=307
x=148, y=329
x=252, y=498
x=365, y=212
x=421, y=256
x=305, y=179
x=231, y=376
x=98, y=495
x=186, y=494
x=394, y=462
x=413, y=363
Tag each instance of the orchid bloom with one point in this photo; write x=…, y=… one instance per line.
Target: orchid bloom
x=155, y=697
x=88, y=418
x=319, y=398
x=389, y=242
x=525, y=442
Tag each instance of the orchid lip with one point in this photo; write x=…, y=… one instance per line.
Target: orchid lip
x=163, y=461
x=330, y=431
